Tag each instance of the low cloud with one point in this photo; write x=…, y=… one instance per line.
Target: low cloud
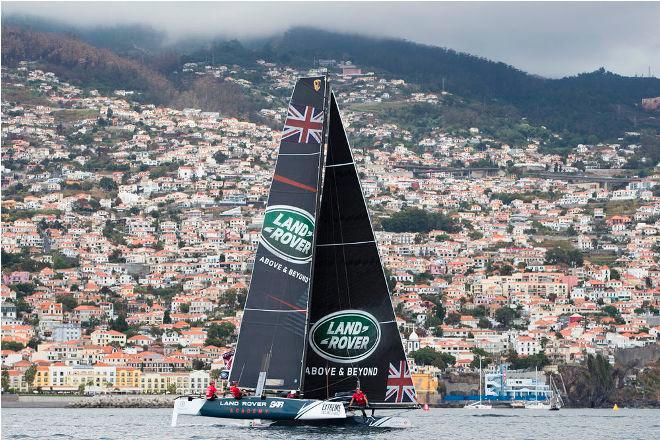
x=549, y=39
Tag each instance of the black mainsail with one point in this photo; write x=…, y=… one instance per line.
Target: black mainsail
x=272, y=334
x=352, y=336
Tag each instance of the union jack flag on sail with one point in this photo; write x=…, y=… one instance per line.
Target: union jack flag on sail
x=304, y=124
x=400, y=386
x=228, y=358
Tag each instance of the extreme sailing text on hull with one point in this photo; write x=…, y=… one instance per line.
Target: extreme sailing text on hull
x=318, y=316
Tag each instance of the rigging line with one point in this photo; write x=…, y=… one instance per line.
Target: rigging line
x=333, y=383
x=240, y=375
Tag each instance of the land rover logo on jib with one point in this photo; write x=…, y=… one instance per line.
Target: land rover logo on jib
x=345, y=336
x=288, y=233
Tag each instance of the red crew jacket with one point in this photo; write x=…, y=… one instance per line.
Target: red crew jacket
x=235, y=391
x=210, y=391
x=359, y=398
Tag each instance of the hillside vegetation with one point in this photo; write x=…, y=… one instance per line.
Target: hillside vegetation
x=586, y=108
x=84, y=64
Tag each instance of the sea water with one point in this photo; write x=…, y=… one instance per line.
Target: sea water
x=451, y=424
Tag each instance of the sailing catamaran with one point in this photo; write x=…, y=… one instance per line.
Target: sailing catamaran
x=318, y=317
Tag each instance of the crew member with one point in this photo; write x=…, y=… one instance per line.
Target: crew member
x=235, y=391
x=211, y=391
x=293, y=394
x=360, y=400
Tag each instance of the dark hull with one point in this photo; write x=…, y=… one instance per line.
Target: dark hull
x=254, y=408
x=268, y=408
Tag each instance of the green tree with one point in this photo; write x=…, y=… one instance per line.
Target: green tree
x=220, y=157
x=419, y=220
x=107, y=184
x=484, y=323
x=475, y=235
x=219, y=334
x=12, y=345
x=5, y=380
x=119, y=324
x=538, y=360
x=439, y=311
x=560, y=255
x=68, y=302
x=505, y=316
x=429, y=356
x=486, y=358
x=30, y=373
x=453, y=318
x=614, y=274
x=184, y=308
x=505, y=270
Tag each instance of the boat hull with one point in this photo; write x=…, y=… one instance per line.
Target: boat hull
x=269, y=408
x=255, y=411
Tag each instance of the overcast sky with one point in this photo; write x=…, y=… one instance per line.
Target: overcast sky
x=550, y=39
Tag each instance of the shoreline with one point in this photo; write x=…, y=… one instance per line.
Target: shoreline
x=163, y=401
x=78, y=402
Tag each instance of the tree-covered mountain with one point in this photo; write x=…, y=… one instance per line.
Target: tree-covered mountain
x=84, y=64
x=589, y=107
x=599, y=103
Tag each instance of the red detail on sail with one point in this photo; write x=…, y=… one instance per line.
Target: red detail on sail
x=291, y=306
x=293, y=183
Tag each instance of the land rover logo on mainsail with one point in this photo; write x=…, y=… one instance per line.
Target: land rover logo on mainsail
x=288, y=232
x=345, y=336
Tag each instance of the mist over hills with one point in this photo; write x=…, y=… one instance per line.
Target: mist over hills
x=589, y=107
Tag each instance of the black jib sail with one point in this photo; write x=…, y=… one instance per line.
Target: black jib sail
x=272, y=334
x=353, y=337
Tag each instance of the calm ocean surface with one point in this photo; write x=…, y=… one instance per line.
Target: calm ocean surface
x=567, y=424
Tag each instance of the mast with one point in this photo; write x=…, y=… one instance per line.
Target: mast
x=316, y=216
x=536, y=383
x=271, y=341
x=479, y=379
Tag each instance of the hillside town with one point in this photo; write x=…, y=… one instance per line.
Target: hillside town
x=129, y=232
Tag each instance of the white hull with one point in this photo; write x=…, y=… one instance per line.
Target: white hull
x=537, y=405
x=478, y=406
